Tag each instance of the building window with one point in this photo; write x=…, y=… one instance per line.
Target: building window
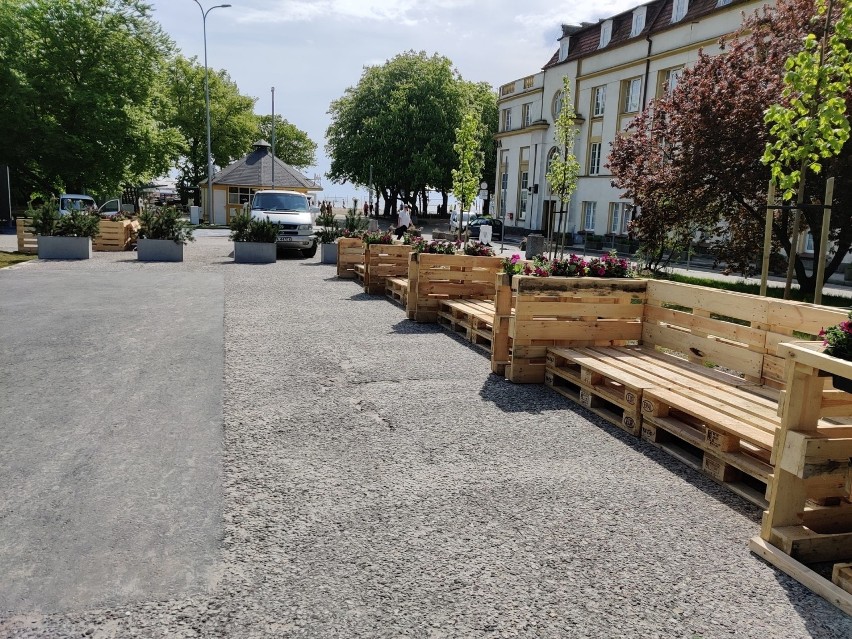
x=599, y=94
x=526, y=114
x=638, y=21
x=595, y=158
x=619, y=217
x=632, y=92
x=240, y=194
x=524, y=195
x=556, y=105
x=507, y=89
x=564, y=46
x=679, y=10
x=507, y=120
x=504, y=184
x=809, y=243
x=589, y=216
x=670, y=78
x=529, y=81
x=606, y=34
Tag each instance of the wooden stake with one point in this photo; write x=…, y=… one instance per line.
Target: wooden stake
x=823, y=241
x=767, y=237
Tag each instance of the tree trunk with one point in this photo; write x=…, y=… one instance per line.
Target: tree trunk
x=445, y=203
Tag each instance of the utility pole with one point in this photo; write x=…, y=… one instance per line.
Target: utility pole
x=273, y=137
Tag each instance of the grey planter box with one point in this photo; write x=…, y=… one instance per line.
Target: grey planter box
x=159, y=251
x=328, y=253
x=51, y=247
x=255, y=252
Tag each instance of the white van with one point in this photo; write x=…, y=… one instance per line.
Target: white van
x=291, y=212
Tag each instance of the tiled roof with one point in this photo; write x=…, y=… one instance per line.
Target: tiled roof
x=657, y=18
x=255, y=169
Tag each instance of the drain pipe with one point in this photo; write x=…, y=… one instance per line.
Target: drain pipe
x=647, y=73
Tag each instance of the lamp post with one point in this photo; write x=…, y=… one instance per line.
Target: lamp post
x=207, y=106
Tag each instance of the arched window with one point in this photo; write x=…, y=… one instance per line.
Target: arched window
x=556, y=105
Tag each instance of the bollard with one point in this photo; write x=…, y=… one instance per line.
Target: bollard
x=535, y=245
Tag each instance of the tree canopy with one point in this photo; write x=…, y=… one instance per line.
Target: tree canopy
x=292, y=145
x=401, y=119
x=693, y=159
x=82, y=102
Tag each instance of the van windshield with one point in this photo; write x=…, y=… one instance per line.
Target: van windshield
x=279, y=202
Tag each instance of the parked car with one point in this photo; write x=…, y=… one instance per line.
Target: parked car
x=75, y=202
x=496, y=227
x=291, y=212
x=454, y=221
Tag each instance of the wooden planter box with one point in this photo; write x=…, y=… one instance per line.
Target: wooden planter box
x=64, y=248
x=159, y=251
x=350, y=251
x=116, y=236
x=27, y=240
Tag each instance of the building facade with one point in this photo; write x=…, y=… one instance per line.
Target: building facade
x=616, y=67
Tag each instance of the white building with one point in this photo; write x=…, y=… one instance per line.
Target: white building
x=615, y=67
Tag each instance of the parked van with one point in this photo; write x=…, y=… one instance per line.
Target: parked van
x=293, y=215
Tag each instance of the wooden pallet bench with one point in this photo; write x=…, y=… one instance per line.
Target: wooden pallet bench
x=382, y=261
x=350, y=252
x=809, y=519
x=694, y=371
x=115, y=235
x=396, y=289
x=435, y=278
x=473, y=318
x=27, y=239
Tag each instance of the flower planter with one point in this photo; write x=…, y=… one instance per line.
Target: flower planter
x=255, y=252
x=159, y=251
x=51, y=247
x=328, y=253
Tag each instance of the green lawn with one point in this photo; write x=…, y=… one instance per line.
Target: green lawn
x=10, y=259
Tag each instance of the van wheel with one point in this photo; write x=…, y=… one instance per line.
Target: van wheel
x=309, y=253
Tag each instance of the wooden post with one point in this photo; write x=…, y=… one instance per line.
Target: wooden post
x=794, y=240
x=823, y=241
x=767, y=237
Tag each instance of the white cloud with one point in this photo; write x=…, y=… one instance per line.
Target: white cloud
x=397, y=11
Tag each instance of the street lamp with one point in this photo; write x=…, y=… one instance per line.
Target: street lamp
x=207, y=105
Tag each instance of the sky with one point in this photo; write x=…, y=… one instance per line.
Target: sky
x=311, y=51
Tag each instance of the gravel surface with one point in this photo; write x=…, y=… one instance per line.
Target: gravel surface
x=379, y=482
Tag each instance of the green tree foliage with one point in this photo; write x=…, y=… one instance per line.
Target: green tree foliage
x=234, y=125
x=811, y=124
x=401, y=118
x=564, y=168
x=292, y=145
x=694, y=159
x=82, y=104
x=468, y=150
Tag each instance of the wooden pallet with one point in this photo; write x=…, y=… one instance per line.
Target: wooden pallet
x=473, y=318
x=360, y=271
x=350, y=251
x=812, y=466
x=382, y=261
x=115, y=236
x=27, y=239
x=396, y=289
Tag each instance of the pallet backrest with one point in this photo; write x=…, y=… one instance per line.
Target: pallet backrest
x=27, y=239
x=350, y=251
x=447, y=277
x=736, y=331
x=392, y=256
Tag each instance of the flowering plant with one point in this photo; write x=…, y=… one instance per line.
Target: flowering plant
x=572, y=266
x=114, y=216
x=838, y=339
x=347, y=233
x=478, y=249
x=444, y=247
x=377, y=237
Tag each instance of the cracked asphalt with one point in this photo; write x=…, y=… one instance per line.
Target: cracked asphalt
x=377, y=481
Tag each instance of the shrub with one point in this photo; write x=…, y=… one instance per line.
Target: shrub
x=478, y=249
x=48, y=221
x=164, y=224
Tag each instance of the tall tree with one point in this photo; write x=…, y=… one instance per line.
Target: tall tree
x=233, y=124
x=693, y=158
x=292, y=145
x=470, y=157
x=401, y=118
x=564, y=168
x=82, y=104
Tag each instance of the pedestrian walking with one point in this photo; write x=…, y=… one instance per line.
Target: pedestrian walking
x=403, y=221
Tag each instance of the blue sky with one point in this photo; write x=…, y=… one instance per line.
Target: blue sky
x=311, y=51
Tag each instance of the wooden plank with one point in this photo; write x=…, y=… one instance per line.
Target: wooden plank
x=841, y=576
x=599, y=330
x=807, y=454
x=750, y=308
x=811, y=547
x=754, y=338
x=801, y=573
x=525, y=284
x=806, y=318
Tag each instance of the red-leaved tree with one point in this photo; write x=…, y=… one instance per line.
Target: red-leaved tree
x=692, y=159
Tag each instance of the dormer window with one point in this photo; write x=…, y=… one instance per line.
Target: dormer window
x=564, y=46
x=606, y=33
x=679, y=10
x=638, y=21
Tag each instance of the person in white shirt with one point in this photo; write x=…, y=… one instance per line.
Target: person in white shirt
x=404, y=221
